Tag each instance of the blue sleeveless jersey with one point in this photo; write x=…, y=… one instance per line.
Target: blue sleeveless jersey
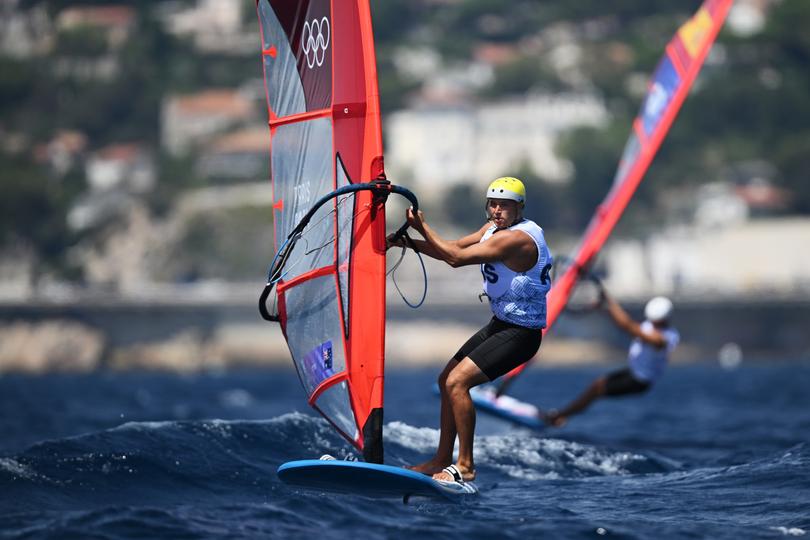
x=519, y=297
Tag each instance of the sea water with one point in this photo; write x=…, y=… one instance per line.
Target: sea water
x=708, y=453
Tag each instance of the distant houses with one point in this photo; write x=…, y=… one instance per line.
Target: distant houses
x=115, y=24
x=65, y=150
x=215, y=26
x=756, y=257
x=216, y=128
x=465, y=142
x=188, y=120
x=725, y=237
x=115, y=21
x=115, y=175
x=454, y=132
x=240, y=155
x=128, y=166
x=24, y=34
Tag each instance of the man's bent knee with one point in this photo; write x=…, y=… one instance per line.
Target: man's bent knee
x=442, y=380
x=457, y=383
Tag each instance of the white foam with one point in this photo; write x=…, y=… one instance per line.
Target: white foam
x=522, y=473
x=589, y=458
x=519, y=456
x=18, y=469
x=221, y=428
x=420, y=439
x=296, y=418
x=790, y=531
x=523, y=455
x=144, y=426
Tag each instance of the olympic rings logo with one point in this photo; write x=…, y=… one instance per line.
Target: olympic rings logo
x=315, y=41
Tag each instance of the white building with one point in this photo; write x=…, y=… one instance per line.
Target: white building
x=16, y=269
x=114, y=173
x=214, y=25
x=241, y=155
x=65, y=149
x=192, y=119
x=759, y=257
x=127, y=166
x=24, y=33
x=116, y=21
x=460, y=143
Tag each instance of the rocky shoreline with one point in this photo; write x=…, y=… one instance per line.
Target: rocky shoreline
x=63, y=345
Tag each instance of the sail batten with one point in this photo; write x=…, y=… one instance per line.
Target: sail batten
x=299, y=117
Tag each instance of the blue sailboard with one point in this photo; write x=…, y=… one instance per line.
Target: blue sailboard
x=370, y=480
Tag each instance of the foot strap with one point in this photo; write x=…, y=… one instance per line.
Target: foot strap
x=454, y=473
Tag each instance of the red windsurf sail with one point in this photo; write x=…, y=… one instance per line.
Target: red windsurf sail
x=667, y=90
x=321, y=82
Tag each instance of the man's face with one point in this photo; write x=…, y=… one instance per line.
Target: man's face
x=503, y=212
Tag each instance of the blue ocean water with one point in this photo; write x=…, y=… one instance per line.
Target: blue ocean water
x=708, y=453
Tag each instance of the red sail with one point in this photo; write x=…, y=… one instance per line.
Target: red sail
x=667, y=90
x=321, y=82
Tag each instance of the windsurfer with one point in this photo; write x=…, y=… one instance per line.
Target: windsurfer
x=654, y=339
x=515, y=263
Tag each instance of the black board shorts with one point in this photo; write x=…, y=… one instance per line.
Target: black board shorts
x=500, y=347
x=621, y=382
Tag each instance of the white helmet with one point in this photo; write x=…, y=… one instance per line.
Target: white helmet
x=658, y=309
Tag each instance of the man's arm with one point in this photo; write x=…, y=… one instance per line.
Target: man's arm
x=473, y=238
x=498, y=248
x=626, y=323
x=420, y=245
x=428, y=249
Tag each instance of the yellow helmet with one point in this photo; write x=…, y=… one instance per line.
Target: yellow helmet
x=507, y=187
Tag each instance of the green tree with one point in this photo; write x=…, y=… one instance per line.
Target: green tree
x=460, y=204
x=595, y=155
x=33, y=210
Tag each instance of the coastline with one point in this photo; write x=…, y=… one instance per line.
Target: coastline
x=62, y=345
x=193, y=332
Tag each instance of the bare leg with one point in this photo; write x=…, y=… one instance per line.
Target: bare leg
x=592, y=393
x=459, y=381
x=447, y=429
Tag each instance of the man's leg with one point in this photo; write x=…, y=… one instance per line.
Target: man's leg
x=458, y=384
x=592, y=393
x=447, y=428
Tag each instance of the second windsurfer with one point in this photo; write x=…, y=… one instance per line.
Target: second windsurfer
x=654, y=339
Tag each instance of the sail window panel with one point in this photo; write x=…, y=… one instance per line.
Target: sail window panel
x=665, y=84
x=345, y=223
x=629, y=157
x=302, y=169
x=334, y=404
x=285, y=91
x=314, y=332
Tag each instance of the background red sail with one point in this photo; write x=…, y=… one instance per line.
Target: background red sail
x=667, y=90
